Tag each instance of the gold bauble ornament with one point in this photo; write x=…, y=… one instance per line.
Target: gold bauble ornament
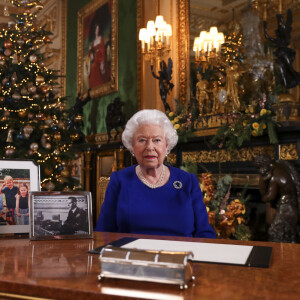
x=22, y=113
x=49, y=121
x=20, y=42
x=65, y=173
x=24, y=92
x=45, y=89
x=30, y=115
x=7, y=44
x=48, y=171
x=32, y=89
x=47, y=146
x=56, y=152
x=7, y=52
x=39, y=79
x=33, y=58
x=16, y=96
x=57, y=136
x=34, y=146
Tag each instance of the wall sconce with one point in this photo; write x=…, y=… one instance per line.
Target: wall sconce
x=155, y=39
x=207, y=46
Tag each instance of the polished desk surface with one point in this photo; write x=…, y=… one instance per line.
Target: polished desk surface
x=62, y=269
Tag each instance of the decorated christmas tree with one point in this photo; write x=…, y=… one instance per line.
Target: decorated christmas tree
x=34, y=123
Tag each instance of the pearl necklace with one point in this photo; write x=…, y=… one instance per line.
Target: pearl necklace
x=144, y=180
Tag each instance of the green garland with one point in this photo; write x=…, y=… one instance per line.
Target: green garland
x=240, y=129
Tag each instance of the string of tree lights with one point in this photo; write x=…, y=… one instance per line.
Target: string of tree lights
x=34, y=122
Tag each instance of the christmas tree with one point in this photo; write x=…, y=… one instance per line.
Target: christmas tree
x=34, y=122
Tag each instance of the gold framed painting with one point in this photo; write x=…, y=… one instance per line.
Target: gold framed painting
x=97, y=48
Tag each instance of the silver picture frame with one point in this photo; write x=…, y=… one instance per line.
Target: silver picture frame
x=60, y=215
x=24, y=174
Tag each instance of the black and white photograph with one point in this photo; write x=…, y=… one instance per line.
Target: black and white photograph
x=17, y=179
x=60, y=215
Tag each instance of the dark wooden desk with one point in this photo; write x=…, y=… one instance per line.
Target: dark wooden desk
x=62, y=269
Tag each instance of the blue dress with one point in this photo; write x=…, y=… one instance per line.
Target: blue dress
x=132, y=207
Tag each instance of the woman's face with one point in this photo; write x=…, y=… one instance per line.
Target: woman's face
x=23, y=191
x=149, y=145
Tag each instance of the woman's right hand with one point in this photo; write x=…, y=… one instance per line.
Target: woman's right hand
x=19, y=215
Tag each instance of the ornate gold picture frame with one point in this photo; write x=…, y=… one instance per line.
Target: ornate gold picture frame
x=97, y=53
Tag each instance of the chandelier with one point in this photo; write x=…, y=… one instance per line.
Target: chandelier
x=155, y=39
x=207, y=46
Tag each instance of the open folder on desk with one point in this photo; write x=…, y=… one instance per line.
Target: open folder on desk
x=242, y=255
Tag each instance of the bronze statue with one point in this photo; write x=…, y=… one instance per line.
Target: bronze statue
x=115, y=118
x=164, y=79
x=76, y=113
x=284, y=55
x=202, y=94
x=280, y=185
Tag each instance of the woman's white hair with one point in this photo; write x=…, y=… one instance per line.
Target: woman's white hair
x=149, y=116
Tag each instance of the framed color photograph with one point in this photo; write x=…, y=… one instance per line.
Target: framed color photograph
x=60, y=215
x=17, y=179
x=97, y=57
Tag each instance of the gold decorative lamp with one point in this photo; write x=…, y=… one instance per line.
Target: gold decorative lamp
x=207, y=46
x=155, y=39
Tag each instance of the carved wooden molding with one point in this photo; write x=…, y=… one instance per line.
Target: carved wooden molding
x=288, y=152
x=222, y=155
x=183, y=10
x=102, y=138
x=139, y=56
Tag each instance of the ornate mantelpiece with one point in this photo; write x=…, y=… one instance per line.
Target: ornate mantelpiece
x=199, y=150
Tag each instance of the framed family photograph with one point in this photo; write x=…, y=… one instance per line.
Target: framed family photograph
x=60, y=215
x=17, y=179
x=97, y=56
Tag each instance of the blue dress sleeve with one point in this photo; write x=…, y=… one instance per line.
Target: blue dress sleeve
x=107, y=220
x=202, y=226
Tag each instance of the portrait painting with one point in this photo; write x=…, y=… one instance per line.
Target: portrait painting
x=97, y=68
x=60, y=215
x=17, y=179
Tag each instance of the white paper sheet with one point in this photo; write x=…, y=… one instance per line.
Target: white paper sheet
x=206, y=252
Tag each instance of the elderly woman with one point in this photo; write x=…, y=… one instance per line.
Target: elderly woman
x=152, y=198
